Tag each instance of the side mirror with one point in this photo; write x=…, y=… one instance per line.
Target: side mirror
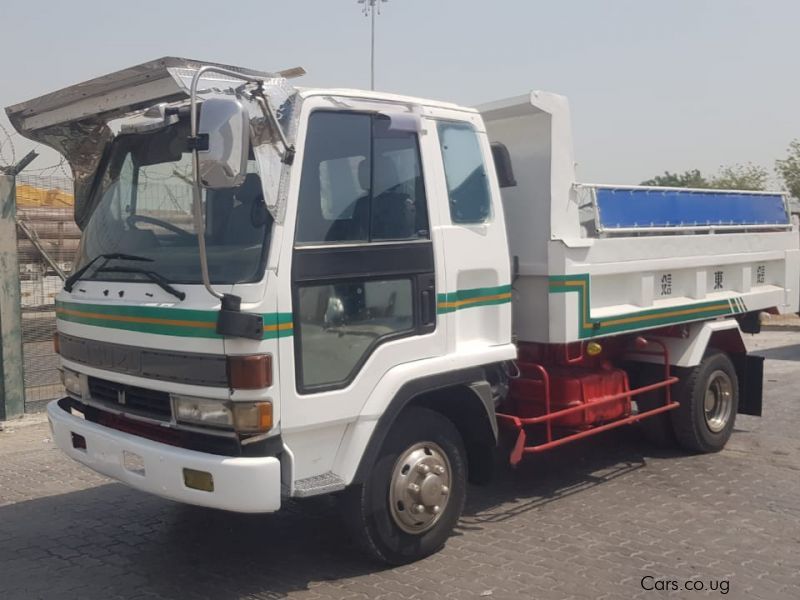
x=502, y=165
x=225, y=124
x=334, y=313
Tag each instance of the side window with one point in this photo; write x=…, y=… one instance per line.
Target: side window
x=465, y=172
x=361, y=181
x=399, y=208
x=339, y=324
x=334, y=188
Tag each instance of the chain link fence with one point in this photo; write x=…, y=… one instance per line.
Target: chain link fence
x=47, y=239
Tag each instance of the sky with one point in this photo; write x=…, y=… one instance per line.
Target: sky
x=653, y=85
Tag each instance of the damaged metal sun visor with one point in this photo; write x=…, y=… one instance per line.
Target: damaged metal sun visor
x=75, y=120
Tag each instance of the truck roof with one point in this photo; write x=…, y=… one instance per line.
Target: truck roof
x=382, y=97
x=154, y=80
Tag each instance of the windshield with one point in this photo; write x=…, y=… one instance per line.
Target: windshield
x=144, y=208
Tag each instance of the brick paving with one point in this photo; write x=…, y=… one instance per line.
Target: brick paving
x=586, y=521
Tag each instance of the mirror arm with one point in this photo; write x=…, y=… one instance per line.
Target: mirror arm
x=197, y=209
x=288, y=149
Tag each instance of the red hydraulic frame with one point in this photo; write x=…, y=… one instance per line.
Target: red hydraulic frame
x=519, y=424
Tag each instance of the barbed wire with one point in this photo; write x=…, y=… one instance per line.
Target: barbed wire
x=8, y=156
x=50, y=170
x=7, y=141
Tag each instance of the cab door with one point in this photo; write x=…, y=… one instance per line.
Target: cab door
x=477, y=300
x=364, y=275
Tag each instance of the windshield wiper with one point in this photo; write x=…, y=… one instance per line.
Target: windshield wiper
x=159, y=280
x=72, y=279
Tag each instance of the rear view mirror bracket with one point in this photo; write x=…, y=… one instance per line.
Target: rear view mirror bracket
x=199, y=142
x=231, y=322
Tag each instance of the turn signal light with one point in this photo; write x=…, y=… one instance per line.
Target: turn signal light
x=252, y=417
x=252, y=372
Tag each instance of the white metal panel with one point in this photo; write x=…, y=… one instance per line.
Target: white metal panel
x=688, y=351
x=575, y=285
x=358, y=433
x=477, y=263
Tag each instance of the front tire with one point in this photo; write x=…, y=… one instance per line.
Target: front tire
x=414, y=494
x=709, y=400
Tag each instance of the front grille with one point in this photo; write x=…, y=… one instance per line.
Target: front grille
x=136, y=400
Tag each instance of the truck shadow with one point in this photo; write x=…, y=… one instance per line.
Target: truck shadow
x=110, y=541
x=571, y=469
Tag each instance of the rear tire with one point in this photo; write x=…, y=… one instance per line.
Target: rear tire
x=709, y=399
x=414, y=494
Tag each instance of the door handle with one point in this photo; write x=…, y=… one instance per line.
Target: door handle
x=426, y=307
x=426, y=284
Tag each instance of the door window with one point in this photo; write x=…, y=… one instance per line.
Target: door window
x=361, y=181
x=340, y=323
x=465, y=172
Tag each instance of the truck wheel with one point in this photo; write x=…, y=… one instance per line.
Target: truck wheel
x=414, y=494
x=709, y=399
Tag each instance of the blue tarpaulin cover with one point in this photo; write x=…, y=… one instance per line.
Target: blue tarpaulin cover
x=627, y=208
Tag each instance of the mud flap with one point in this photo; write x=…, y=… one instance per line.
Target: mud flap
x=750, y=370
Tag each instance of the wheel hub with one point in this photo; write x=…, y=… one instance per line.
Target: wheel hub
x=420, y=487
x=718, y=403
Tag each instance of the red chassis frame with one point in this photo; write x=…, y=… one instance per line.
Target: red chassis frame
x=518, y=424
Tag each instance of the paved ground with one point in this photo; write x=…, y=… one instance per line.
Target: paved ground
x=588, y=521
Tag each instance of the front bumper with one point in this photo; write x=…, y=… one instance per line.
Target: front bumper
x=241, y=484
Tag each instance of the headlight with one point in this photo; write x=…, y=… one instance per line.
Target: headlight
x=202, y=411
x=244, y=417
x=72, y=382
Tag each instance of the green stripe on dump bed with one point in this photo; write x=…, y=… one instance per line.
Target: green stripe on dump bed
x=643, y=319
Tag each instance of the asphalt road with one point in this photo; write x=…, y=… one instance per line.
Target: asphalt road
x=610, y=517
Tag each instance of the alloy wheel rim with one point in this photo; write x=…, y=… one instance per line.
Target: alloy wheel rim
x=718, y=401
x=420, y=487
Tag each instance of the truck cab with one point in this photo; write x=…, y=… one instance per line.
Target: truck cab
x=370, y=252
x=283, y=292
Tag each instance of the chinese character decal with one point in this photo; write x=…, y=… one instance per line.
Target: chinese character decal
x=719, y=282
x=761, y=274
x=666, y=284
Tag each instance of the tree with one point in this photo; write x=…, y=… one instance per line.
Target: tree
x=731, y=177
x=789, y=169
x=740, y=177
x=688, y=179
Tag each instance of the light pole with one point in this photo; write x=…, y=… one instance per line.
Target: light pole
x=370, y=8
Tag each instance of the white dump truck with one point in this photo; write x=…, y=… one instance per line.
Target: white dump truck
x=282, y=292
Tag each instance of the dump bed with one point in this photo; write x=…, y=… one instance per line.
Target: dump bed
x=596, y=260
